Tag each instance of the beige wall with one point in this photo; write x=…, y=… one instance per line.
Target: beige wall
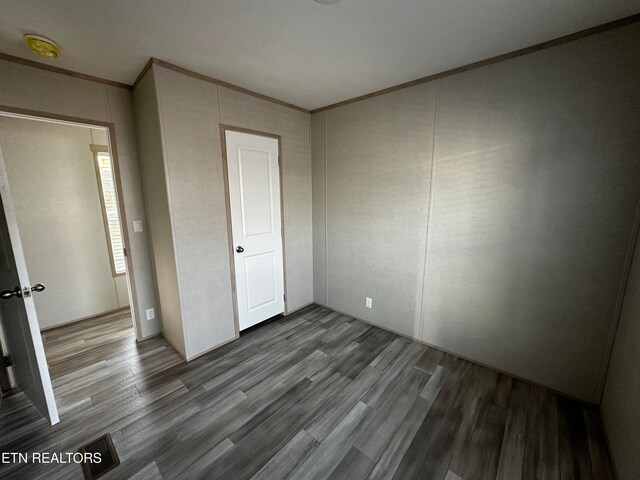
x=158, y=213
x=55, y=191
x=622, y=390
x=188, y=157
x=34, y=89
x=522, y=194
x=378, y=163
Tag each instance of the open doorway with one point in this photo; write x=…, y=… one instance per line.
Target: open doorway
x=63, y=188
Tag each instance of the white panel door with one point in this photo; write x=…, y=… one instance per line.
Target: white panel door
x=19, y=329
x=254, y=194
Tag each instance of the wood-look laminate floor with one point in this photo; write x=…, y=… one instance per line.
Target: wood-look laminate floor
x=310, y=396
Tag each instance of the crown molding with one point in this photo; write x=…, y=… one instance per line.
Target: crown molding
x=215, y=81
x=62, y=71
x=489, y=61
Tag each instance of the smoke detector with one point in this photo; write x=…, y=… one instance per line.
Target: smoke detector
x=42, y=46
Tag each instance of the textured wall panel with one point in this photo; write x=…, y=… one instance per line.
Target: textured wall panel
x=536, y=179
x=378, y=174
x=158, y=215
x=622, y=389
x=241, y=110
x=318, y=164
x=535, y=190
x=189, y=119
x=296, y=188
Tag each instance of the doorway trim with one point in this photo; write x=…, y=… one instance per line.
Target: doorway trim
x=79, y=121
x=227, y=200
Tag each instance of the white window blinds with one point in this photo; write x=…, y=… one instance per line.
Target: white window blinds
x=110, y=211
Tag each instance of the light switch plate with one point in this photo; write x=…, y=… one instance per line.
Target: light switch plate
x=137, y=226
x=151, y=313
x=368, y=302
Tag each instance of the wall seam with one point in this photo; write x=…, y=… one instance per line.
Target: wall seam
x=326, y=212
x=107, y=107
x=313, y=270
x=429, y=210
x=219, y=104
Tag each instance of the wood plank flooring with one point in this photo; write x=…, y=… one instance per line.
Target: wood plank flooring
x=315, y=395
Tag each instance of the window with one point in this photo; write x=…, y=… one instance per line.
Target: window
x=109, y=201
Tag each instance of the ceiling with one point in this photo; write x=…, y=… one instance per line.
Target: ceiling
x=298, y=51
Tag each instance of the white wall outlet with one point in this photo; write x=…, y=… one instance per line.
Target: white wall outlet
x=368, y=302
x=151, y=313
x=137, y=226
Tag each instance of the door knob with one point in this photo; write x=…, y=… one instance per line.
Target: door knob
x=26, y=291
x=239, y=249
x=7, y=294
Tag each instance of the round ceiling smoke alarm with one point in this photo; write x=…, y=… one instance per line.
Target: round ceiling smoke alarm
x=42, y=46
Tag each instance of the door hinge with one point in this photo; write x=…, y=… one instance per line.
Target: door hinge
x=6, y=360
x=285, y=297
x=124, y=250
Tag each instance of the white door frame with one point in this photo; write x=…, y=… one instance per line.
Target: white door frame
x=225, y=171
x=83, y=122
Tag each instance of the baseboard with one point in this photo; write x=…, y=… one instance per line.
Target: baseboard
x=89, y=317
x=297, y=309
x=174, y=347
x=193, y=357
x=148, y=337
x=470, y=360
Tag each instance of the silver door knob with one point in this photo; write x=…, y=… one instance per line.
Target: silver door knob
x=7, y=294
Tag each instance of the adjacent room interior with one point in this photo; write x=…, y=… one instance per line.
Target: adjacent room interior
x=385, y=242
x=66, y=208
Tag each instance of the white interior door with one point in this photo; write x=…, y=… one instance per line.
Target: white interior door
x=254, y=194
x=19, y=330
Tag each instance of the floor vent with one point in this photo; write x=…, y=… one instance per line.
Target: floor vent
x=108, y=457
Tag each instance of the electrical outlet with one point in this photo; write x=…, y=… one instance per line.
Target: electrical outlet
x=151, y=313
x=368, y=302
